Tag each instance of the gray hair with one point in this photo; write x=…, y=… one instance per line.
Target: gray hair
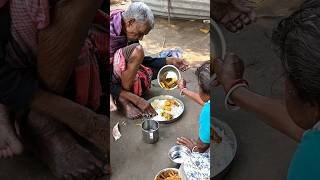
x=140, y=12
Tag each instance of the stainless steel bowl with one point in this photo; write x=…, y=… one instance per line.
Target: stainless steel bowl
x=169, y=71
x=177, y=154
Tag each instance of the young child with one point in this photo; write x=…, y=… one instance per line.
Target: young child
x=203, y=98
x=197, y=166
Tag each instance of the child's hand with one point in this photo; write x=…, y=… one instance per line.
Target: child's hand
x=186, y=142
x=182, y=84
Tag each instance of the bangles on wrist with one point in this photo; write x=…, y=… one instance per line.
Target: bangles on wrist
x=228, y=103
x=194, y=147
x=181, y=91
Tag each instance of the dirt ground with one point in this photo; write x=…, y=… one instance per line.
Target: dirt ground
x=185, y=34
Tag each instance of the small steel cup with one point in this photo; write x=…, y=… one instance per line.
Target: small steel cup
x=150, y=131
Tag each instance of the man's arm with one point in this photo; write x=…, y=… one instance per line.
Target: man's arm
x=128, y=76
x=61, y=42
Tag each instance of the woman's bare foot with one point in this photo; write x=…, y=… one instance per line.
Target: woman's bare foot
x=60, y=151
x=9, y=143
x=113, y=106
x=233, y=14
x=129, y=109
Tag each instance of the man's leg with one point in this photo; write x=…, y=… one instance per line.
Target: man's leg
x=59, y=48
x=60, y=43
x=53, y=143
x=82, y=120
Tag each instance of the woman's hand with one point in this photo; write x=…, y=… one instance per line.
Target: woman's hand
x=229, y=70
x=177, y=62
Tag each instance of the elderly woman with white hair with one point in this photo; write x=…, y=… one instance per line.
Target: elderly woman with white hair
x=132, y=71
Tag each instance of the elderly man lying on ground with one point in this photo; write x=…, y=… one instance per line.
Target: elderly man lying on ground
x=131, y=70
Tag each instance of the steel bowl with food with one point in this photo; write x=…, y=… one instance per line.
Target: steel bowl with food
x=168, y=77
x=177, y=154
x=168, y=174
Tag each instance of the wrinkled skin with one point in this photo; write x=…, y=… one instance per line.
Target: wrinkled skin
x=57, y=53
x=135, y=31
x=59, y=48
x=130, y=111
x=56, y=147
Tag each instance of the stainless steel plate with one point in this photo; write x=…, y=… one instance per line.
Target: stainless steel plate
x=177, y=113
x=217, y=173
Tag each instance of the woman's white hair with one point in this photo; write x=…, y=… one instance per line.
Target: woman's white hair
x=140, y=12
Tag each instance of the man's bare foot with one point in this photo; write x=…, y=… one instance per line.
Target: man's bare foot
x=85, y=122
x=113, y=106
x=9, y=143
x=129, y=109
x=233, y=14
x=60, y=151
